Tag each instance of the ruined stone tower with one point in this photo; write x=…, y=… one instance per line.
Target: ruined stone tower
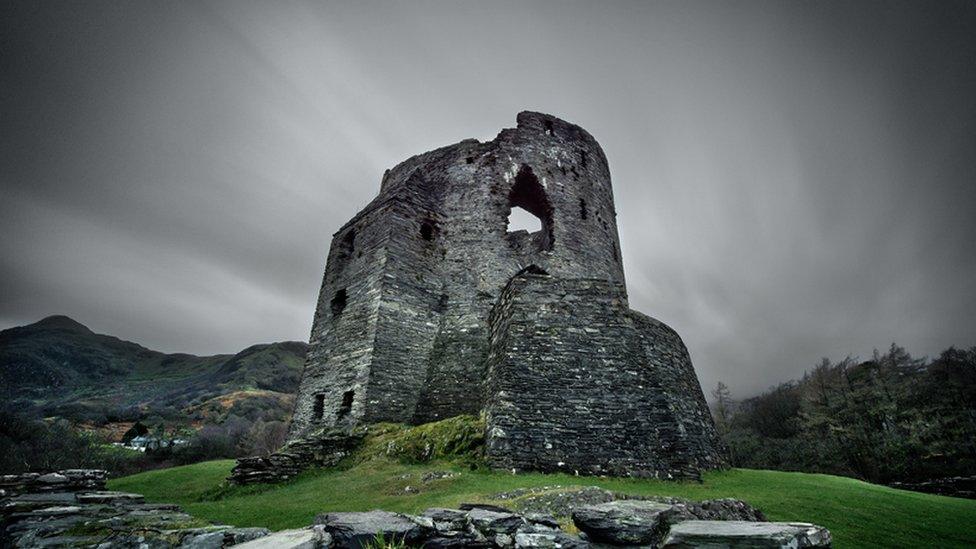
x=431, y=307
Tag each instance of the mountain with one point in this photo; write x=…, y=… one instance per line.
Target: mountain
x=65, y=369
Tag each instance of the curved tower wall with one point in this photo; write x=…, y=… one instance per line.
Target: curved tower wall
x=432, y=307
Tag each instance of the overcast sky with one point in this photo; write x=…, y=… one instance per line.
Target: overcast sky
x=793, y=180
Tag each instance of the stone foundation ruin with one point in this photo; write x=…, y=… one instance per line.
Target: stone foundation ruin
x=431, y=307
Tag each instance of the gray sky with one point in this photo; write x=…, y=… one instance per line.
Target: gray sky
x=793, y=180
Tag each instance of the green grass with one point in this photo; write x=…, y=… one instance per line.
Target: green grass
x=858, y=514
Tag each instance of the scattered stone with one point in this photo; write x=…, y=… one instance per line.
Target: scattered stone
x=116, y=520
x=222, y=538
x=735, y=534
x=549, y=540
x=485, y=506
x=109, y=497
x=492, y=523
x=354, y=530
x=430, y=476
x=312, y=537
x=322, y=449
x=624, y=522
x=447, y=520
x=72, y=509
x=556, y=500
x=68, y=480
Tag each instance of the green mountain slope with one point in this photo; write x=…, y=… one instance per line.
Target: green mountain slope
x=61, y=366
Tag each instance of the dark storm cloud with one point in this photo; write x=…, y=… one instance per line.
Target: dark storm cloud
x=792, y=180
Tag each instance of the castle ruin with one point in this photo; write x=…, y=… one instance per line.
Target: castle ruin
x=432, y=307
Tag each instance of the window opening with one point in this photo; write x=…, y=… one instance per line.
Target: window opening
x=339, y=302
x=319, y=408
x=346, y=405
x=529, y=211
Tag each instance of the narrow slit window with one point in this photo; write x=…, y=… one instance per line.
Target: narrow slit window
x=338, y=302
x=318, y=410
x=346, y=407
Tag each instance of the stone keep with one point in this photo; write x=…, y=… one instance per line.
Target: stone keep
x=431, y=307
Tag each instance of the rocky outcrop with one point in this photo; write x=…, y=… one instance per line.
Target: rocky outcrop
x=324, y=449
x=646, y=522
x=72, y=509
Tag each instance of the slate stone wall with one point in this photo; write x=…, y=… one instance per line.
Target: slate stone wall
x=401, y=331
x=578, y=383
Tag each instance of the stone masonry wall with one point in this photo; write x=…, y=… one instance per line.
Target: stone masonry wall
x=577, y=383
x=419, y=317
x=411, y=343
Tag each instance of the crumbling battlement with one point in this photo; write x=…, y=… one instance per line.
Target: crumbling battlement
x=412, y=324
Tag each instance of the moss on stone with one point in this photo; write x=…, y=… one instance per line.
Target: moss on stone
x=458, y=439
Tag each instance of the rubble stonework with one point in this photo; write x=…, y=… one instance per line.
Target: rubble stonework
x=60, y=512
x=430, y=307
x=71, y=508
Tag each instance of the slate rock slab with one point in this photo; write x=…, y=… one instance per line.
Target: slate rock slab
x=548, y=540
x=734, y=534
x=447, y=520
x=314, y=537
x=493, y=523
x=109, y=497
x=624, y=522
x=355, y=530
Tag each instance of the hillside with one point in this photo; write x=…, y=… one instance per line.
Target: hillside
x=61, y=367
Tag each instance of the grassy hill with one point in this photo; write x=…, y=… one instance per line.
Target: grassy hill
x=857, y=513
x=402, y=469
x=62, y=367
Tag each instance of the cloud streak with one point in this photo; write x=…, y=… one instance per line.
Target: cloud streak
x=792, y=180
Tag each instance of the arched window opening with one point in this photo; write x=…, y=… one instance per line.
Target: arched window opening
x=529, y=223
x=521, y=220
x=338, y=302
x=346, y=407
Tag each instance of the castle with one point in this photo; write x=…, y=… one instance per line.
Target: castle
x=432, y=307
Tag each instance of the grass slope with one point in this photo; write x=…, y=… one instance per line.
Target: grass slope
x=857, y=513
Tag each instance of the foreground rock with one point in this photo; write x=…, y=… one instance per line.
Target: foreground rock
x=73, y=509
x=69, y=480
x=624, y=522
x=354, y=530
x=740, y=534
x=312, y=537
